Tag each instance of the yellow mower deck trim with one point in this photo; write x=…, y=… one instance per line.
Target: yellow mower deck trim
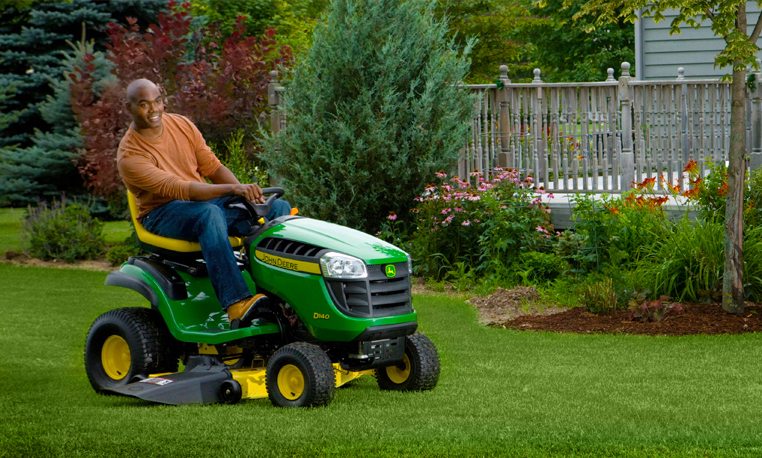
x=253, y=384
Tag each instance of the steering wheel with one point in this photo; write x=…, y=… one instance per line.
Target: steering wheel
x=260, y=210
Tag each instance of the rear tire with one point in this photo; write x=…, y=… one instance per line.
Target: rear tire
x=126, y=344
x=419, y=371
x=300, y=374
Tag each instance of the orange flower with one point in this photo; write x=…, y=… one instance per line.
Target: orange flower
x=613, y=209
x=691, y=193
x=691, y=167
x=722, y=192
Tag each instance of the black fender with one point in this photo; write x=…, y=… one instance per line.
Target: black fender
x=136, y=284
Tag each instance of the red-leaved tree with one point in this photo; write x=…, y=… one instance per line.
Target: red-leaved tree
x=220, y=87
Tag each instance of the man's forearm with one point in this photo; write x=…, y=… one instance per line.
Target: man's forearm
x=204, y=191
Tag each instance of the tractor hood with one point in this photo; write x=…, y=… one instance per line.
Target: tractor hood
x=338, y=238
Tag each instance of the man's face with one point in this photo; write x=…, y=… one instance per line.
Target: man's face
x=146, y=108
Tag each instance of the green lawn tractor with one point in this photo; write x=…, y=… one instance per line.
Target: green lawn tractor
x=339, y=306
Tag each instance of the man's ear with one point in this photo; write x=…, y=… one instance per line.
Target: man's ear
x=128, y=107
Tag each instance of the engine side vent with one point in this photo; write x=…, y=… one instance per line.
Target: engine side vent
x=277, y=245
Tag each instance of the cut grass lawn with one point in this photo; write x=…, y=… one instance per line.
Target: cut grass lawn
x=501, y=393
x=10, y=230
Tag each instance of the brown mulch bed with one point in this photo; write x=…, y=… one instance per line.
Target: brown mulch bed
x=521, y=309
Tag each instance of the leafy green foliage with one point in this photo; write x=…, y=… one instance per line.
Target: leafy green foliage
x=373, y=112
x=566, y=50
x=499, y=28
x=62, y=230
x=689, y=265
x=121, y=252
x=612, y=230
x=536, y=267
x=234, y=157
x=293, y=19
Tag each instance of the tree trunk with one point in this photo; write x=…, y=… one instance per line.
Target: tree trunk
x=732, y=285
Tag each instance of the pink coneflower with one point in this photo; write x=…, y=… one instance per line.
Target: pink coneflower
x=392, y=216
x=466, y=223
x=446, y=211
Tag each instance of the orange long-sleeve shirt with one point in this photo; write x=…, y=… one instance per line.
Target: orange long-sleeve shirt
x=160, y=170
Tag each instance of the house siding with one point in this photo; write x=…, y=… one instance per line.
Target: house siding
x=660, y=54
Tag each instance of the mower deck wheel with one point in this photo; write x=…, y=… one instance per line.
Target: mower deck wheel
x=300, y=374
x=127, y=344
x=230, y=392
x=418, y=371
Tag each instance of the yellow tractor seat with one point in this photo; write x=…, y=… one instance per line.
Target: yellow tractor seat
x=166, y=245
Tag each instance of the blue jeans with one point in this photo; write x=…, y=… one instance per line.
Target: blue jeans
x=209, y=223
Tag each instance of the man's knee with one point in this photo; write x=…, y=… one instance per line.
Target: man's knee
x=279, y=208
x=211, y=216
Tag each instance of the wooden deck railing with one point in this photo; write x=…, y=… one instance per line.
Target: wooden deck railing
x=597, y=136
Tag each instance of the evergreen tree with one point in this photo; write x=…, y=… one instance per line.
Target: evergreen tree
x=374, y=112
x=30, y=50
x=48, y=167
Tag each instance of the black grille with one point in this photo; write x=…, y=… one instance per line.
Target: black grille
x=276, y=245
x=376, y=296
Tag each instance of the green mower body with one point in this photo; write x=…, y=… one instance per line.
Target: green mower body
x=335, y=295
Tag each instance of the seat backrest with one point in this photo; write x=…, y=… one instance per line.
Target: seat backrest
x=166, y=243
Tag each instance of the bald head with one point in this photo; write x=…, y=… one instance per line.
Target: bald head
x=135, y=89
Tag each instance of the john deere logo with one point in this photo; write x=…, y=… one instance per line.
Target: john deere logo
x=391, y=271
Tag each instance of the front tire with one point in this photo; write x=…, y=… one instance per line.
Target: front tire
x=126, y=344
x=300, y=374
x=419, y=370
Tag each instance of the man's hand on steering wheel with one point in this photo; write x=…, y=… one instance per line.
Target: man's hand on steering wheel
x=250, y=192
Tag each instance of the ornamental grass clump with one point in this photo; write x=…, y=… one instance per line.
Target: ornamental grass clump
x=599, y=298
x=62, y=230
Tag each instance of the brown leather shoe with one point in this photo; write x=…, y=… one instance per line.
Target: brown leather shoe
x=245, y=310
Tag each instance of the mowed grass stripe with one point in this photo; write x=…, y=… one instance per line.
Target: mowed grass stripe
x=501, y=393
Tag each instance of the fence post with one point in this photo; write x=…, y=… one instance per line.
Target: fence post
x=505, y=158
x=685, y=145
x=755, y=160
x=273, y=100
x=627, y=159
x=538, y=135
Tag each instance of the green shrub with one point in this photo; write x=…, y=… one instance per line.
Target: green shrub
x=613, y=230
x=537, y=267
x=62, y=230
x=121, y=252
x=235, y=157
x=373, y=112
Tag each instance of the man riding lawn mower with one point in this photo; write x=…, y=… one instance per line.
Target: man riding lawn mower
x=336, y=304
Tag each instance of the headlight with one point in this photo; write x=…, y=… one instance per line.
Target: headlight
x=337, y=265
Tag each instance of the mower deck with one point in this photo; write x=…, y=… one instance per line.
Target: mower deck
x=206, y=384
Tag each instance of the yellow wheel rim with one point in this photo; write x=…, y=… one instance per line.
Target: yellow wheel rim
x=399, y=374
x=290, y=382
x=116, y=357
